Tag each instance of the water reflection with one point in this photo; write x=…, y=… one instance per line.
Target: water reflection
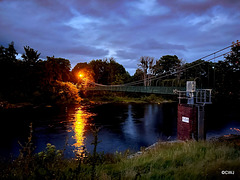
x=143, y=129
x=79, y=127
x=123, y=126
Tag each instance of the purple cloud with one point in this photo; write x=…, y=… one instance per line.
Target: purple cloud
x=84, y=30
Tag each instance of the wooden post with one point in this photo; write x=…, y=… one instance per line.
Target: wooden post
x=201, y=126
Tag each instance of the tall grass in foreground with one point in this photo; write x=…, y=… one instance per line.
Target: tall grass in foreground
x=183, y=160
x=190, y=160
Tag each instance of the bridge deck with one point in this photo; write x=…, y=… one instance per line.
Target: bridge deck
x=140, y=89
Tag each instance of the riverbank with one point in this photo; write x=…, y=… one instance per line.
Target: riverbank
x=179, y=160
x=103, y=98
x=4, y=105
x=126, y=98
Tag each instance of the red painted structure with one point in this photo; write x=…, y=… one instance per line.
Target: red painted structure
x=187, y=122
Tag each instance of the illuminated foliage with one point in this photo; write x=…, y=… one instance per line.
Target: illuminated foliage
x=83, y=74
x=65, y=92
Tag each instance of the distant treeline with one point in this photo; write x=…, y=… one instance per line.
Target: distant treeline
x=52, y=80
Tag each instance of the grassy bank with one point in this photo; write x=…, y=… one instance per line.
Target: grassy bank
x=115, y=97
x=183, y=160
x=95, y=98
x=191, y=160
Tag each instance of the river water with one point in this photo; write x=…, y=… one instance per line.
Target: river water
x=123, y=126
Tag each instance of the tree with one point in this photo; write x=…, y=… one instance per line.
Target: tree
x=99, y=67
x=8, y=69
x=138, y=75
x=122, y=78
x=233, y=59
x=201, y=71
x=57, y=69
x=115, y=70
x=83, y=73
x=2, y=54
x=230, y=72
x=11, y=52
x=108, y=71
x=30, y=56
x=146, y=65
x=165, y=64
x=8, y=55
x=117, y=74
x=65, y=92
x=31, y=70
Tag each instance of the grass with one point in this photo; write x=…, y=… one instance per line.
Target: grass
x=191, y=160
x=182, y=160
x=120, y=98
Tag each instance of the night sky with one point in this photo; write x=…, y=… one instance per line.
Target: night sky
x=82, y=30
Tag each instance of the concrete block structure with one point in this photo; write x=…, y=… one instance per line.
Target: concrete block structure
x=187, y=122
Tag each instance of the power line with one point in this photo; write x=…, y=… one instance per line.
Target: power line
x=179, y=69
x=171, y=72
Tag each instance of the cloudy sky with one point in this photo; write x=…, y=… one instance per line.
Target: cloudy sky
x=82, y=30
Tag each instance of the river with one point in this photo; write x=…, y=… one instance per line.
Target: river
x=123, y=126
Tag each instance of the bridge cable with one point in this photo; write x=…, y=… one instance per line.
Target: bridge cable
x=168, y=73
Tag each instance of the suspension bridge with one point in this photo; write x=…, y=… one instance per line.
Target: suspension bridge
x=138, y=89
x=135, y=87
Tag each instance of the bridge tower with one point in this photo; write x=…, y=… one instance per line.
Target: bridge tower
x=190, y=124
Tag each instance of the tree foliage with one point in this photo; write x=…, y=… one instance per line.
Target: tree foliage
x=166, y=63
x=108, y=71
x=83, y=74
x=227, y=76
x=33, y=79
x=233, y=59
x=30, y=56
x=8, y=69
x=57, y=69
x=138, y=75
x=64, y=92
x=99, y=67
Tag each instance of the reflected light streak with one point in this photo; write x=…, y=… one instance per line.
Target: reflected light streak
x=81, y=118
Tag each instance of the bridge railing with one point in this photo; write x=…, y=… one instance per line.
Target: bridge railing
x=140, y=89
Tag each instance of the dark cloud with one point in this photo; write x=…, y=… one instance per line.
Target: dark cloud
x=151, y=44
x=125, y=54
x=82, y=30
x=87, y=51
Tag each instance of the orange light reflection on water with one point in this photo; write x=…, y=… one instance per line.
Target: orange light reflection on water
x=79, y=127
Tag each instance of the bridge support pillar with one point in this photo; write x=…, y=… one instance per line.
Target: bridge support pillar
x=191, y=112
x=187, y=122
x=201, y=125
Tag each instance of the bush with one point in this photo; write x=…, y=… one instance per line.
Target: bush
x=65, y=93
x=152, y=98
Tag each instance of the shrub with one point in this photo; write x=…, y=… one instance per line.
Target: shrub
x=152, y=98
x=65, y=93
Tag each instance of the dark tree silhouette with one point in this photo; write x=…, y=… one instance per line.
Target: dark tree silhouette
x=30, y=56
x=166, y=63
x=109, y=72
